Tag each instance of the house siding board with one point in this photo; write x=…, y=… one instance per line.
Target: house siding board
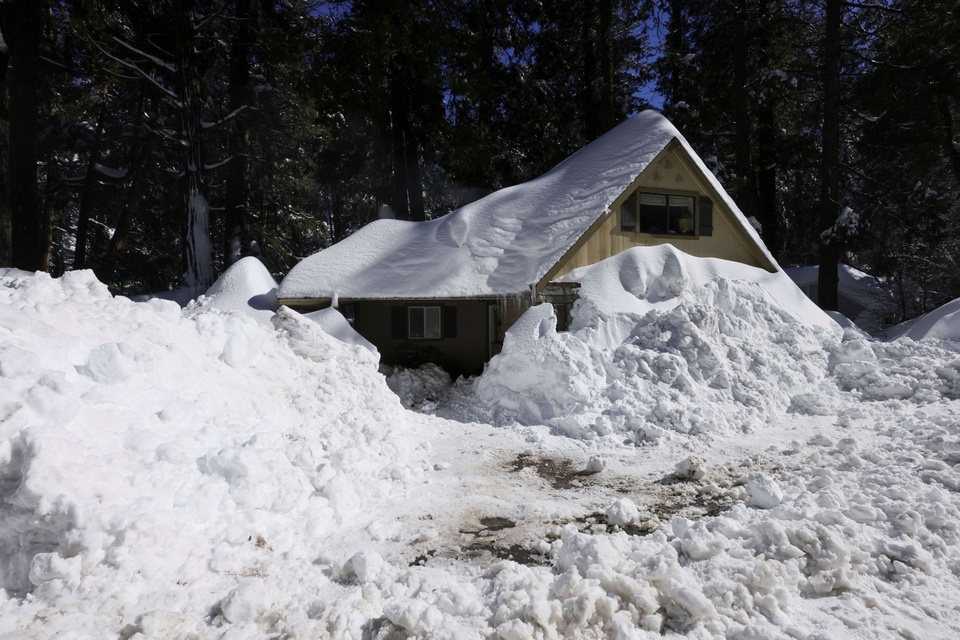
x=464, y=353
x=670, y=172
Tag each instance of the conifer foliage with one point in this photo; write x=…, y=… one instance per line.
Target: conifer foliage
x=158, y=141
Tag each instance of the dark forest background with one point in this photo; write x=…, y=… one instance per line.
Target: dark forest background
x=158, y=141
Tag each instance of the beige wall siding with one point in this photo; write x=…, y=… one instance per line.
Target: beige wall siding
x=670, y=173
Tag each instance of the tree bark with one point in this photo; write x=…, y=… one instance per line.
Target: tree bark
x=830, y=160
x=237, y=240
x=743, y=131
x=89, y=184
x=23, y=29
x=6, y=241
x=765, y=167
x=198, y=252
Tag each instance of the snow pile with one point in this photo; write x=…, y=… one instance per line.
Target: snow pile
x=903, y=369
x=421, y=387
x=246, y=286
x=662, y=341
x=163, y=472
x=333, y=323
x=942, y=323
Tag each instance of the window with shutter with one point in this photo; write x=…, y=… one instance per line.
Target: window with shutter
x=706, y=216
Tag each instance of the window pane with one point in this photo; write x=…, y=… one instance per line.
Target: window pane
x=653, y=213
x=432, y=322
x=424, y=323
x=681, y=215
x=628, y=214
x=416, y=322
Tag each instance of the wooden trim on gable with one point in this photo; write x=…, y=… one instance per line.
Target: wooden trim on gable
x=582, y=240
x=708, y=189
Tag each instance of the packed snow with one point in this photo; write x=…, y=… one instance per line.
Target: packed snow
x=701, y=456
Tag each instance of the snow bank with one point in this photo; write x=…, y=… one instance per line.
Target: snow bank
x=246, y=286
x=662, y=341
x=333, y=322
x=418, y=388
x=942, y=323
x=163, y=472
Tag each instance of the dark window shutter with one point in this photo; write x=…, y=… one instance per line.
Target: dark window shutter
x=449, y=322
x=398, y=322
x=706, y=216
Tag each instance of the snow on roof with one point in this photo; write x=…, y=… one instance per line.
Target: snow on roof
x=501, y=244
x=853, y=283
x=943, y=323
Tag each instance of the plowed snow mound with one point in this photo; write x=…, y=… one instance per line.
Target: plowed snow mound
x=147, y=456
x=662, y=341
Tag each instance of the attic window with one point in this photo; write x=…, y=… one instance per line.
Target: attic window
x=667, y=214
x=423, y=323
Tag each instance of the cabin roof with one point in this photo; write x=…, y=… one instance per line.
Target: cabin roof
x=502, y=244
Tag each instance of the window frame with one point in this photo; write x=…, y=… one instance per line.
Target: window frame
x=637, y=228
x=438, y=309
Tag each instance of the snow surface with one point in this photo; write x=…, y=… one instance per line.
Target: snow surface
x=501, y=244
x=246, y=286
x=942, y=323
x=201, y=474
x=715, y=345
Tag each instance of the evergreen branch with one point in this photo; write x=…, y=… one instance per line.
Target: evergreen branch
x=143, y=74
x=155, y=60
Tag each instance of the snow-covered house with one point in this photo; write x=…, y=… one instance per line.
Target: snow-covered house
x=445, y=290
x=871, y=303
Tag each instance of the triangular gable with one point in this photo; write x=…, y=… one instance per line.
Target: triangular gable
x=675, y=170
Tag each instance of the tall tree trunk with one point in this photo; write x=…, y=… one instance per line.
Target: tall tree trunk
x=765, y=168
x=23, y=29
x=399, y=118
x=198, y=251
x=54, y=202
x=237, y=240
x=6, y=241
x=589, y=103
x=830, y=160
x=607, y=115
x=380, y=117
x=89, y=184
x=743, y=131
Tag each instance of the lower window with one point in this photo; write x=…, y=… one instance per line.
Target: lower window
x=423, y=323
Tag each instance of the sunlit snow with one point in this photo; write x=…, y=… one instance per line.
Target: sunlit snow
x=711, y=459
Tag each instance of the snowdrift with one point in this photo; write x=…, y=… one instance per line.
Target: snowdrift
x=665, y=342
x=942, y=323
x=204, y=474
x=156, y=466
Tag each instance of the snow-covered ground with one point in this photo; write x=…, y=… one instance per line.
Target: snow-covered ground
x=700, y=456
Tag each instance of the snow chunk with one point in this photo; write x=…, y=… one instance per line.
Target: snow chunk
x=763, y=491
x=622, y=512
